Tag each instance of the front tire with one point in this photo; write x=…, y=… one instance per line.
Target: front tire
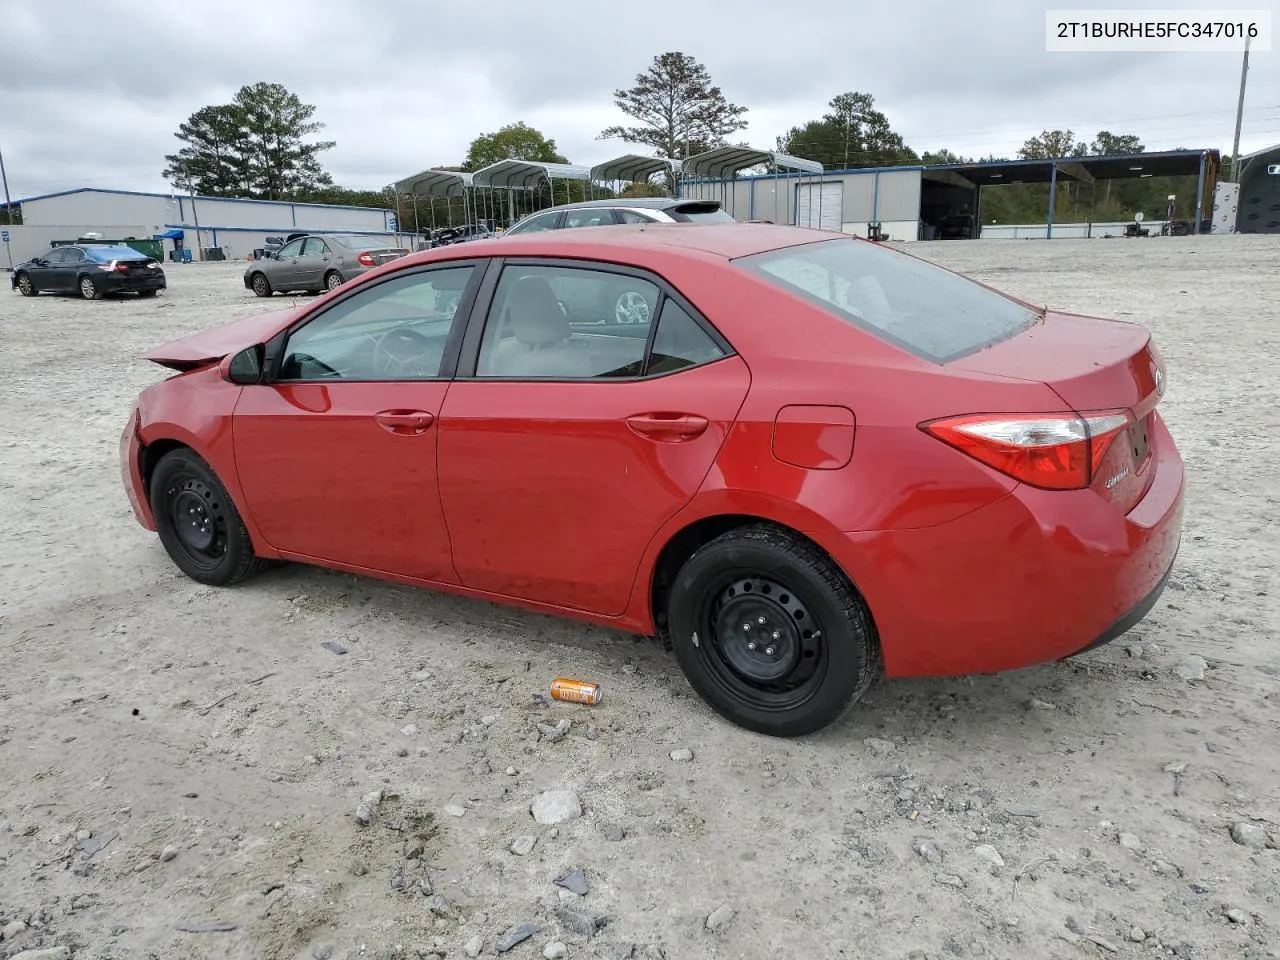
x=792, y=674
x=261, y=285
x=25, y=286
x=198, y=523
x=89, y=290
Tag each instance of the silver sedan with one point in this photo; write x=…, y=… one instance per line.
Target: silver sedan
x=317, y=263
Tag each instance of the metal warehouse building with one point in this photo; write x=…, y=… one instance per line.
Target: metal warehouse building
x=213, y=227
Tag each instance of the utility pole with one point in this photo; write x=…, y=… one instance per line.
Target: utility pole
x=196, y=217
x=1235, y=147
x=8, y=205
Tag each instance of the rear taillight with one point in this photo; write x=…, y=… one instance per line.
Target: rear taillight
x=113, y=266
x=1043, y=450
x=366, y=260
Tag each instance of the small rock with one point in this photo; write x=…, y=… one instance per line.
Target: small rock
x=168, y=853
x=1191, y=668
x=410, y=731
x=84, y=835
x=927, y=849
x=1176, y=766
x=1129, y=841
x=367, y=811
x=682, y=754
x=1166, y=869
x=950, y=880
x=322, y=951
x=988, y=853
x=312, y=759
x=358, y=869
x=575, y=921
x=455, y=810
x=523, y=846
x=402, y=752
x=414, y=849
x=425, y=887
x=574, y=880
x=516, y=935
x=1134, y=650
x=881, y=748
x=1136, y=935
x=1199, y=888
x=556, y=806
x=555, y=950
x=13, y=929
x=510, y=771
x=1249, y=835
x=654, y=952
x=54, y=953
x=473, y=946
x=615, y=951
x=489, y=720
x=335, y=648
x=720, y=918
x=613, y=832
x=1043, y=705
x=567, y=896
x=1238, y=916
x=554, y=733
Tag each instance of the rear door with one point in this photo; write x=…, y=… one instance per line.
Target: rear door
x=337, y=454
x=312, y=262
x=66, y=269
x=565, y=446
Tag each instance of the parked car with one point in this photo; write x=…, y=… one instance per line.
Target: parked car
x=443, y=236
x=91, y=270
x=317, y=263
x=602, y=213
x=818, y=458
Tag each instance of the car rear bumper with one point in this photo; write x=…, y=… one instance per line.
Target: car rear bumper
x=1033, y=577
x=119, y=283
x=131, y=473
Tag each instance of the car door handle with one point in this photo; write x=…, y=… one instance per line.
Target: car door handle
x=405, y=422
x=668, y=426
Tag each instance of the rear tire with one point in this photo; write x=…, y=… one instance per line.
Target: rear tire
x=25, y=285
x=88, y=289
x=260, y=285
x=198, y=523
x=815, y=653
x=147, y=293
x=332, y=280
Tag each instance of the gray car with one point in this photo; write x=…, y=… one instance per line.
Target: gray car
x=598, y=213
x=317, y=263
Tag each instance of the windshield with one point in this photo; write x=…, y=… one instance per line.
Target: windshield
x=699, y=213
x=929, y=311
x=107, y=254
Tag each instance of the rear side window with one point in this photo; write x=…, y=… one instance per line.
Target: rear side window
x=699, y=213
x=924, y=309
x=544, y=222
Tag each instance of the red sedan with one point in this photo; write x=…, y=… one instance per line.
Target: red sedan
x=798, y=458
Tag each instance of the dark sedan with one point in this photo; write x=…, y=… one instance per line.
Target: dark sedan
x=91, y=270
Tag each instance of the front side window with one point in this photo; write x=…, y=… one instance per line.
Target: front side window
x=924, y=309
x=544, y=222
x=395, y=330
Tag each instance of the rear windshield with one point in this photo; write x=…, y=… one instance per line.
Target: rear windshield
x=699, y=213
x=356, y=243
x=922, y=308
x=107, y=254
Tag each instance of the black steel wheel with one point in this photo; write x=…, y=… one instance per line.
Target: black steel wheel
x=198, y=523
x=261, y=285
x=770, y=632
x=25, y=286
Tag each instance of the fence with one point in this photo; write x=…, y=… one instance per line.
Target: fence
x=1062, y=231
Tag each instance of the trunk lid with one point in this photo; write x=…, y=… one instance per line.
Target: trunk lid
x=387, y=254
x=1095, y=366
x=208, y=346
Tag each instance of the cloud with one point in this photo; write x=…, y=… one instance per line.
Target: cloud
x=403, y=85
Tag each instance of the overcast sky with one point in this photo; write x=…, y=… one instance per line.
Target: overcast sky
x=402, y=86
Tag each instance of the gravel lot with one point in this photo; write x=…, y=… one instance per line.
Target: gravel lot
x=174, y=756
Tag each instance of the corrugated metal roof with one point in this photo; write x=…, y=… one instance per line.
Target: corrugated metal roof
x=723, y=162
x=434, y=183
x=633, y=166
x=523, y=174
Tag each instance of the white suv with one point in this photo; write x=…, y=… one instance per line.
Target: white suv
x=598, y=213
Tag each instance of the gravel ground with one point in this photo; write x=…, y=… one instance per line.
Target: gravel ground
x=181, y=766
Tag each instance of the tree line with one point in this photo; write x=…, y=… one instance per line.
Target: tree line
x=261, y=145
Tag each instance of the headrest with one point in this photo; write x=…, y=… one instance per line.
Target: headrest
x=536, y=317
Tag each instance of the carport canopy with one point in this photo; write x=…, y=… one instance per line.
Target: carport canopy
x=634, y=167
x=723, y=162
x=526, y=174
x=434, y=183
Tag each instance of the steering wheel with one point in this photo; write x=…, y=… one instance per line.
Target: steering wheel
x=402, y=352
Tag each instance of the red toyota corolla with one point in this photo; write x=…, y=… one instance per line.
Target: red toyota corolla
x=796, y=457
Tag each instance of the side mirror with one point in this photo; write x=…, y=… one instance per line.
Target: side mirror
x=245, y=367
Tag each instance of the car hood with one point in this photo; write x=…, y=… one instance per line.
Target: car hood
x=213, y=344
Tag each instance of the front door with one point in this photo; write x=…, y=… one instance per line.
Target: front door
x=284, y=272
x=573, y=443
x=337, y=454
x=312, y=263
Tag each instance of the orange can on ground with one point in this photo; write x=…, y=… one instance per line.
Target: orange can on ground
x=575, y=691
